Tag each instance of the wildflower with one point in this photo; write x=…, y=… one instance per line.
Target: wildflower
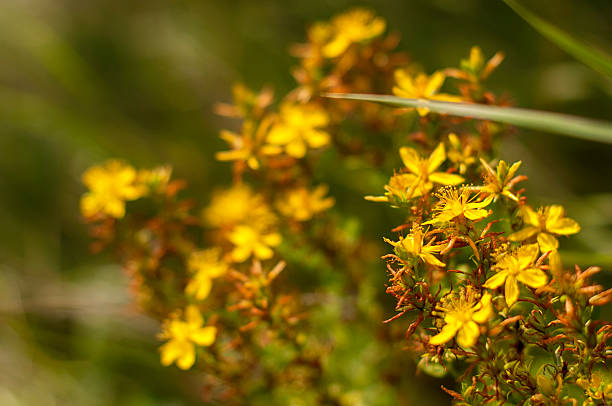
x=351, y=27
x=474, y=68
x=461, y=156
x=454, y=204
x=249, y=146
x=517, y=266
x=462, y=314
x=423, y=170
x=205, y=265
x=598, y=389
x=410, y=248
x=251, y=241
x=501, y=181
x=238, y=205
x=183, y=336
x=110, y=186
x=299, y=126
x=546, y=223
x=302, y=204
x=421, y=86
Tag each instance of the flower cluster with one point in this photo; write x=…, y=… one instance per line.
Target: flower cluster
x=474, y=267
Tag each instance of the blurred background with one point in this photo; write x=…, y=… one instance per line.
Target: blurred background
x=82, y=81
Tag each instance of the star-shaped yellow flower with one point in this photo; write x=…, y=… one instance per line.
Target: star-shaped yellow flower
x=302, y=204
x=546, y=223
x=454, y=204
x=251, y=241
x=205, y=265
x=423, y=171
x=351, y=27
x=298, y=127
x=517, y=266
x=421, y=86
x=183, y=336
x=110, y=186
x=410, y=248
x=462, y=314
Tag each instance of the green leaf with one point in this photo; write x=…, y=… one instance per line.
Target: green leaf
x=591, y=57
x=572, y=126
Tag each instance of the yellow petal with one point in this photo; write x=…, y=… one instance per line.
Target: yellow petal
x=511, y=290
x=486, y=310
x=435, y=82
x=563, y=226
x=296, y=148
x=193, y=317
x=317, y=138
x=241, y=254
x=553, y=214
x=170, y=351
x=446, y=178
x=523, y=234
x=547, y=242
x=411, y=159
x=263, y=251
x=187, y=358
x=476, y=214
x=533, y=277
x=527, y=254
x=199, y=287
x=468, y=334
x=530, y=216
x=447, y=333
x=204, y=336
x=272, y=239
x=496, y=280
x=437, y=157
x=479, y=205
x=430, y=259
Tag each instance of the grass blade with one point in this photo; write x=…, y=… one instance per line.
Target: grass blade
x=591, y=57
x=572, y=126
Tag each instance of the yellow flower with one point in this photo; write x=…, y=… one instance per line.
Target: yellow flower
x=249, y=146
x=183, y=336
x=454, y=204
x=460, y=155
x=238, y=205
x=353, y=26
x=462, y=314
x=423, y=170
x=250, y=241
x=110, y=186
x=410, y=248
x=501, y=181
x=205, y=265
x=421, y=86
x=545, y=224
x=302, y=204
x=517, y=266
x=298, y=127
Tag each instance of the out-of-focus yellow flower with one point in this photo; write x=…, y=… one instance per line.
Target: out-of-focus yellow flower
x=421, y=86
x=462, y=314
x=238, y=205
x=354, y=26
x=301, y=204
x=183, y=336
x=110, y=186
x=251, y=241
x=462, y=156
x=501, y=182
x=204, y=265
x=299, y=126
x=410, y=248
x=424, y=172
x=517, y=266
x=598, y=389
x=249, y=146
x=454, y=204
x=546, y=223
